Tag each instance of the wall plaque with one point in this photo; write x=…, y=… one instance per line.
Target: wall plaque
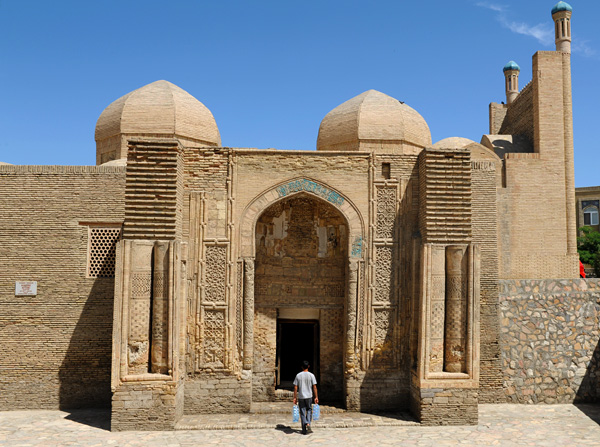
x=26, y=288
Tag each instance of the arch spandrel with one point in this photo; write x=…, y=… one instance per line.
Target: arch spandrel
x=312, y=188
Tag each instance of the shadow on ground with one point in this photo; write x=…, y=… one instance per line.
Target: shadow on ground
x=590, y=410
x=287, y=429
x=92, y=417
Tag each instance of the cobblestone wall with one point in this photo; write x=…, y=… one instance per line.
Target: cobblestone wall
x=550, y=340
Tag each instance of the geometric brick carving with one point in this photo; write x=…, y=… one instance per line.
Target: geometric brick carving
x=386, y=212
x=101, y=251
x=239, y=310
x=214, y=338
x=384, y=354
x=216, y=274
x=383, y=274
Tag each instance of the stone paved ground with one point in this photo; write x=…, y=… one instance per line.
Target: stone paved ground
x=502, y=425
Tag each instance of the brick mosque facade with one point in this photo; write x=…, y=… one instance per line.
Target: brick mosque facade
x=182, y=277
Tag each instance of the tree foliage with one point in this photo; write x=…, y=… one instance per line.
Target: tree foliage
x=588, y=246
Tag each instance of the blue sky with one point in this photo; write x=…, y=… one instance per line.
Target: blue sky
x=271, y=70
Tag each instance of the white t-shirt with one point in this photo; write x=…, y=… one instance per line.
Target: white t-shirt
x=304, y=381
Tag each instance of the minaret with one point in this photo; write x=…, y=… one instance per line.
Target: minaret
x=561, y=14
x=511, y=74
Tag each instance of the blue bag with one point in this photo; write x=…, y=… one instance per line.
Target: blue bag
x=295, y=413
x=316, y=412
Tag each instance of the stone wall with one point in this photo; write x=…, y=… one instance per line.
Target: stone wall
x=217, y=393
x=56, y=346
x=550, y=340
x=143, y=406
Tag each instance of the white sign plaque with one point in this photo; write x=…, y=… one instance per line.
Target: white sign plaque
x=26, y=288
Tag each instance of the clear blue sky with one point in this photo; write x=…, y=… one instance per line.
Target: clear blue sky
x=271, y=70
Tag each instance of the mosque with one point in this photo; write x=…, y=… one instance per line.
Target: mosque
x=179, y=277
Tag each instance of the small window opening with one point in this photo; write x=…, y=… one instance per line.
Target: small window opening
x=590, y=216
x=386, y=170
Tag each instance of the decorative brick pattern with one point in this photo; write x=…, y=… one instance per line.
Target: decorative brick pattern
x=101, y=255
x=151, y=193
x=445, y=195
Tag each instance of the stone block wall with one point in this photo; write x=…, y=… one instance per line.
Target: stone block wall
x=146, y=406
x=56, y=346
x=217, y=393
x=550, y=340
x=440, y=406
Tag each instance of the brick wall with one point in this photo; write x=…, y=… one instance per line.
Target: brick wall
x=519, y=115
x=56, y=345
x=485, y=233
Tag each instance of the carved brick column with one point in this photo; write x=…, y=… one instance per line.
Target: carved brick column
x=140, y=280
x=455, y=345
x=160, y=309
x=351, y=297
x=248, y=313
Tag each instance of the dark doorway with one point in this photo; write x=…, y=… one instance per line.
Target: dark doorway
x=297, y=340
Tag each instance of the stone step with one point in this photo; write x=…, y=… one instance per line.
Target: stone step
x=286, y=408
x=243, y=421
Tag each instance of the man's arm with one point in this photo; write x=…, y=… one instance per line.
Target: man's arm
x=314, y=392
x=295, y=394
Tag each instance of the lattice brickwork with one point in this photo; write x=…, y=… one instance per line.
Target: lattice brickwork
x=101, y=254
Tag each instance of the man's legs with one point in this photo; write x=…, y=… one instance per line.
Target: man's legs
x=305, y=412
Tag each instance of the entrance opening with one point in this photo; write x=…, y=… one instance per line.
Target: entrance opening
x=297, y=340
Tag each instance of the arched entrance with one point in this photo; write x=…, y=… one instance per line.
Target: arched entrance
x=299, y=289
x=301, y=242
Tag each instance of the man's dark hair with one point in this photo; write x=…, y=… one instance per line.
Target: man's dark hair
x=305, y=364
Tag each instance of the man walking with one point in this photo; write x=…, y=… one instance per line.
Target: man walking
x=305, y=384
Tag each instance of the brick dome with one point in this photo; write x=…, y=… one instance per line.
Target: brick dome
x=373, y=119
x=453, y=143
x=159, y=109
